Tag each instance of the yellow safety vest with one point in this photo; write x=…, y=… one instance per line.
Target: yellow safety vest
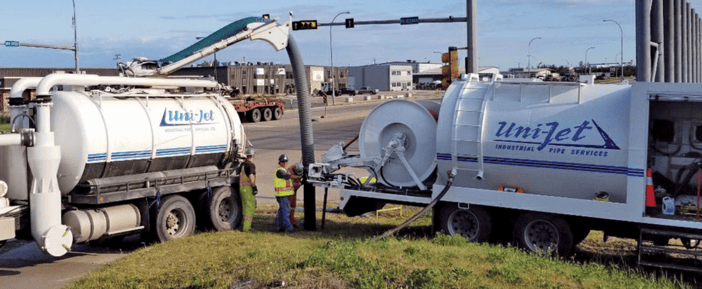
x=283, y=187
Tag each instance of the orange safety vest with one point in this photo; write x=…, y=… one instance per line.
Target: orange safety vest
x=244, y=180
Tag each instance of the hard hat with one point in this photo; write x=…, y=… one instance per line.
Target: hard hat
x=250, y=152
x=282, y=158
x=298, y=168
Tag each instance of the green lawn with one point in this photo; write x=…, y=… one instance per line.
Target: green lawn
x=345, y=255
x=4, y=127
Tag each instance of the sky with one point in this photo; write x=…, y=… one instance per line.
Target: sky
x=156, y=29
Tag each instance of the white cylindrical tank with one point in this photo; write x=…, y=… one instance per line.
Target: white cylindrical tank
x=104, y=135
x=90, y=225
x=416, y=120
x=565, y=140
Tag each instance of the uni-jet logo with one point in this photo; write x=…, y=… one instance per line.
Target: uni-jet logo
x=553, y=134
x=176, y=117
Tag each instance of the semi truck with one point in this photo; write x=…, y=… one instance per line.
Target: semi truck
x=94, y=158
x=541, y=163
x=255, y=109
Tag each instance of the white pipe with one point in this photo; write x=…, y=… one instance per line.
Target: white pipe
x=52, y=80
x=16, y=92
x=13, y=139
x=23, y=84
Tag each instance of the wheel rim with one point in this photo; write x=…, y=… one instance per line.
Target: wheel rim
x=267, y=114
x=541, y=236
x=225, y=210
x=464, y=223
x=175, y=222
x=256, y=115
x=278, y=113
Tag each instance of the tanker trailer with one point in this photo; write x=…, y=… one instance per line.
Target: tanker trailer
x=540, y=163
x=110, y=156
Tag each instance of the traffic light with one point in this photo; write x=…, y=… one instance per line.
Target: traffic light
x=349, y=22
x=304, y=25
x=450, y=69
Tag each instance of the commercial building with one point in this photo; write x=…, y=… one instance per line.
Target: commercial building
x=384, y=77
x=267, y=78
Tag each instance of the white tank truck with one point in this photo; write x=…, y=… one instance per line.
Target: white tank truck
x=539, y=163
x=95, y=157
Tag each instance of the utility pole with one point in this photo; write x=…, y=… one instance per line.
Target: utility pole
x=75, y=37
x=471, y=22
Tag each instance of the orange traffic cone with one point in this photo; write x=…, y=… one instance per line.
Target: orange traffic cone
x=650, y=196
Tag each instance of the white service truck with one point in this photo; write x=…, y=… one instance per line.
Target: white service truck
x=541, y=162
x=93, y=158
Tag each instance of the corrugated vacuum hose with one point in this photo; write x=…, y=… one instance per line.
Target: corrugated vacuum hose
x=411, y=220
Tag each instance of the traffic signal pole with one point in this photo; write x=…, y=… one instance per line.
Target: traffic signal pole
x=407, y=21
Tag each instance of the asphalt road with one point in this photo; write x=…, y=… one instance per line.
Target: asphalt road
x=22, y=265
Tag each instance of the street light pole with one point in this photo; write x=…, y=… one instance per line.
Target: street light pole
x=621, y=60
x=566, y=62
x=586, y=63
x=331, y=57
x=529, y=54
x=214, y=62
x=75, y=37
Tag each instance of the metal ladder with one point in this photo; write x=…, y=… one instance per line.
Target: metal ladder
x=468, y=127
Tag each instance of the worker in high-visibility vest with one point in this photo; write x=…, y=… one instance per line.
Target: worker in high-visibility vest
x=283, y=184
x=296, y=172
x=248, y=189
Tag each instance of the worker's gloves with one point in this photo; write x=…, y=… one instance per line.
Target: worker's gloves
x=254, y=191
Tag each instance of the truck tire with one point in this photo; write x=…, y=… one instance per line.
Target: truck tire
x=472, y=223
x=544, y=234
x=267, y=114
x=175, y=219
x=254, y=115
x=224, y=209
x=277, y=113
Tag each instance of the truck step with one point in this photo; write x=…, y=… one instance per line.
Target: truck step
x=670, y=256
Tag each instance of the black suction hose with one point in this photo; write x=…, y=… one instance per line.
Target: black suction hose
x=306, y=138
x=691, y=171
x=422, y=212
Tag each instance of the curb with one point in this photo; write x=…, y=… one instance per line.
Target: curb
x=291, y=103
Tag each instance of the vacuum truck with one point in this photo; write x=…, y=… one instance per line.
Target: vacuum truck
x=94, y=158
x=540, y=163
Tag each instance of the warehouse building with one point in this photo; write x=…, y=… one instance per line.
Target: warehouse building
x=384, y=77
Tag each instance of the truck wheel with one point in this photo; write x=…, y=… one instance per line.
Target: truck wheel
x=175, y=219
x=473, y=223
x=541, y=233
x=224, y=209
x=267, y=114
x=255, y=115
x=277, y=113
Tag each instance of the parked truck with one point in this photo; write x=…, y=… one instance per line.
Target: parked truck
x=540, y=163
x=255, y=109
x=93, y=158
